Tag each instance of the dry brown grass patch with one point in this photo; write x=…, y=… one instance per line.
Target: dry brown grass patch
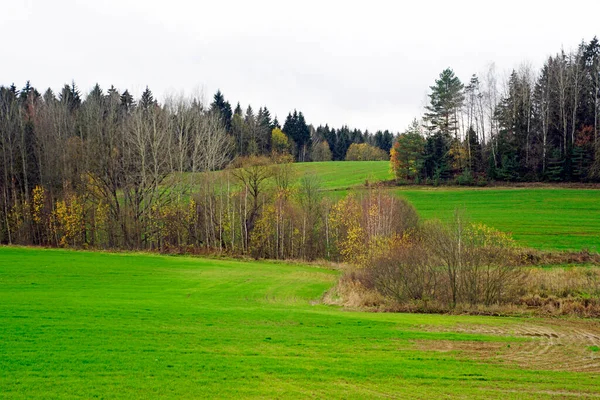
x=562, y=345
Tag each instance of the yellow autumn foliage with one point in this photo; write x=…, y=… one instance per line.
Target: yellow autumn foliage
x=67, y=221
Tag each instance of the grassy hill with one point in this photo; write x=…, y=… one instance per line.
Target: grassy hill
x=546, y=218
x=336, y=175
x=333, y=175
x=97, y=325
x=542, y=218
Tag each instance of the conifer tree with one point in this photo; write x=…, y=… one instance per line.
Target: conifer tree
x=446, y=99
x=127, y=102
x=70, y=96
x=222, y=107
x=147, y=100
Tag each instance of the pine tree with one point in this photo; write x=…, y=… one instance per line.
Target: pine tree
x=446, y=98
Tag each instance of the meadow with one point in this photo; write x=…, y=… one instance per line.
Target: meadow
x=545, y=218
x=540, y=218
x=99, y=325
x=135, y=325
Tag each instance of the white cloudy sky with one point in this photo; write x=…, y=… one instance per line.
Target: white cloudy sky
x=367, y=64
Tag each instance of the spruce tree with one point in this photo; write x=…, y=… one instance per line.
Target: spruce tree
x=295, y=128
x=265, y=127
x=223, y=108
x=147, y=100
x=251, y=132
x=96, y=95
x=127, y=103
x=238, y=110
x=70, y=96
x=276, y=124
x=48, y=96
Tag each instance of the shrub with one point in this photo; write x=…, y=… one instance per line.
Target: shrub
x=362, y=229
x=443, y=266
x=365, y=152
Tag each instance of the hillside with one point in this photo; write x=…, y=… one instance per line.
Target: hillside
x=336, y=175
x=544, y=218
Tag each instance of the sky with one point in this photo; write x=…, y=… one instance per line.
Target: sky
x=366, y=64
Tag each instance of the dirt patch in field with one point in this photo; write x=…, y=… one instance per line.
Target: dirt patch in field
x=549, y=345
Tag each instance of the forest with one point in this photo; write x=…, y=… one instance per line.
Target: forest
x=110, y=171
x=536, y=126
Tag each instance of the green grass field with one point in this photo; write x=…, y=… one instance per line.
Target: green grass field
x=98, y=325
x=338, y=175
x=547, y=219
x=333, y=175
x=541, y=218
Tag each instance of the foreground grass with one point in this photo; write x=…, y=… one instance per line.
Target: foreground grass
x=78, y=324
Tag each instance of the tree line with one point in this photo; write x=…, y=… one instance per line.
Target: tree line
x=537, y=126
x=112, y=171
x=120, y=159
x=252, y=134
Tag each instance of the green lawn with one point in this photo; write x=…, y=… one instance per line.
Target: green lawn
x=98, y=325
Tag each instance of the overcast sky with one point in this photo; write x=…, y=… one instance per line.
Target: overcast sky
x=367, y=64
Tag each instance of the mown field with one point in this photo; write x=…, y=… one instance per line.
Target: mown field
x=98, y=325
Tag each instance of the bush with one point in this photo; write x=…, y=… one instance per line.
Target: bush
x=362, y=229
x=465, y=179
x=443, y=266
x=365, y=152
